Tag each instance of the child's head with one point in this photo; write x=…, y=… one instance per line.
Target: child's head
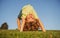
x=30, y=18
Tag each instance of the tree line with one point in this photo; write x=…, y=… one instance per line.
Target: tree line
x=4, y=26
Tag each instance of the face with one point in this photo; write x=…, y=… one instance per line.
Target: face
x=30, y=18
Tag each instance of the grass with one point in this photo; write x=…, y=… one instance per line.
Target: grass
x=29, y=34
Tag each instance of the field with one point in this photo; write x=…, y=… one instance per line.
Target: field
x=29, y=34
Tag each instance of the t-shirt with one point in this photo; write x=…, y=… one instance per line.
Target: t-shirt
x=28, y=9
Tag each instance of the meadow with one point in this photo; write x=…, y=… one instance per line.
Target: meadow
x=29, y=34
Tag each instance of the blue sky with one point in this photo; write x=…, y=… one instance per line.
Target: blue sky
x=47, y=10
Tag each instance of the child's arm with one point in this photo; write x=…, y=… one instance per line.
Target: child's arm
x=41, y=25
x=18, y=23
x=22, y=26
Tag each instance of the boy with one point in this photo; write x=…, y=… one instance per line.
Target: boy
x=28, y=9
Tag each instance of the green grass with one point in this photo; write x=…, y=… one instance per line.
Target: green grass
x=29, y=34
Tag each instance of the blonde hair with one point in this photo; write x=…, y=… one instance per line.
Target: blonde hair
x=28, y=9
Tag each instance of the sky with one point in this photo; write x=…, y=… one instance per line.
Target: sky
x=48, y=12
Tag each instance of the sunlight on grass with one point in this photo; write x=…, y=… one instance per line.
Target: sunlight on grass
x=29, y=34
